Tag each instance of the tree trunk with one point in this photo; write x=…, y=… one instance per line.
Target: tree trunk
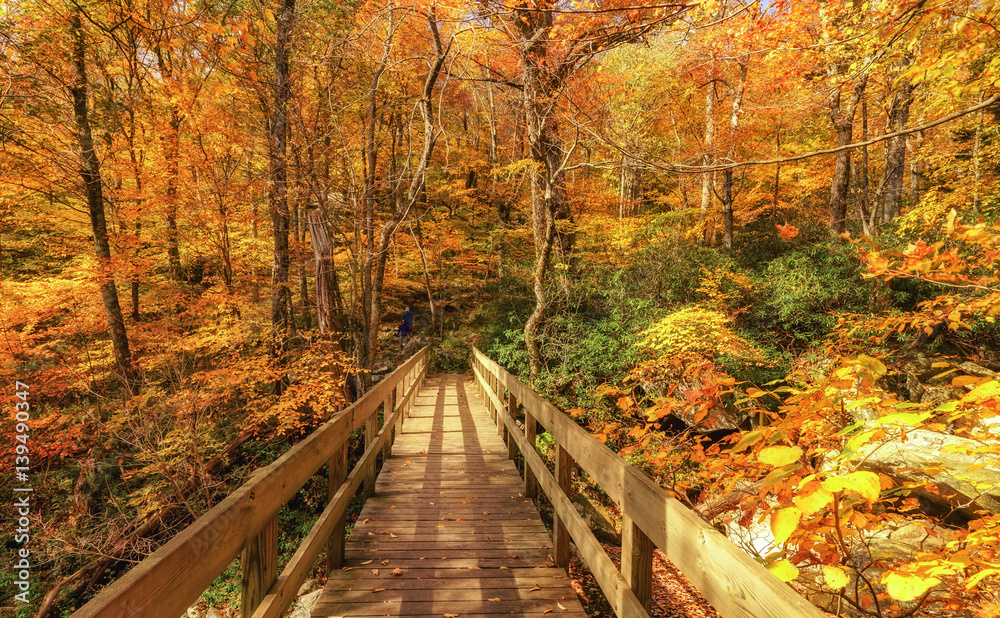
x=895, y=152
x=727, y=176
x=280, y=294
x=329, y=306
x=843, y=123
x=172, y=153
x=418, y=237
x=90, y=173
x=977, y=167
x=548, y=195
x=706, y=160
x=630, y=191
x=913, y=142
x=862, y=194
x=777, y=170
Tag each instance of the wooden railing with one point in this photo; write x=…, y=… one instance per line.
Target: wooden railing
x=246, y=523
x=735, y=584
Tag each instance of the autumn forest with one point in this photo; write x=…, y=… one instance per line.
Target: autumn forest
x=751, y=246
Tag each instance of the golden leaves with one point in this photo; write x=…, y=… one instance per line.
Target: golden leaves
x=906, y=587
x=784, y=522
x=865, y=484
x=835, y=577
x=779, y=456
x=784, y=570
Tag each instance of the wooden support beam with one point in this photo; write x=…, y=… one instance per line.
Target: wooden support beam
x=512, y=411
x=637, y=561
x=371, y=431
x=386, y=415
x=564, y=476
x=530, y=430
x=259, y=566
x=338, y=474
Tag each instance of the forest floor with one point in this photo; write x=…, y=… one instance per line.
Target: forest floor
x=673, y=594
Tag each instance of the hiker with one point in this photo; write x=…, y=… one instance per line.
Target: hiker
x=403, y=331
x=408, y=318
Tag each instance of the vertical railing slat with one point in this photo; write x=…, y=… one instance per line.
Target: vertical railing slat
x=564, y=476
x=259, y=567
x=637, y=561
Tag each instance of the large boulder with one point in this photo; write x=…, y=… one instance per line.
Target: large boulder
x=941, y=462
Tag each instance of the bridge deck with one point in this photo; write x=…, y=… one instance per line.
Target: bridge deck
x=449, y=513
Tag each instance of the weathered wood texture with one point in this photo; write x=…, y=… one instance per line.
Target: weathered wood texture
x=173, y=577
x=448, y=513
x=735, y=584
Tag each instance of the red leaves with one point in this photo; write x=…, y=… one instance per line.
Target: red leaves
x=787, y=231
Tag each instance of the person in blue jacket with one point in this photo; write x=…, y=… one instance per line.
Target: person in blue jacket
x=408, y=318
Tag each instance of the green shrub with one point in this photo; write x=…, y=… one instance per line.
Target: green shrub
x=798, y=291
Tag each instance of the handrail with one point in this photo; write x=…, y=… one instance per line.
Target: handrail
x=729, y=579
x=170, y=579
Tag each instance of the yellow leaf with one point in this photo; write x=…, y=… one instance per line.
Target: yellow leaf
x=907, y=587
x=835, y=577
x=784, y=522
x=779, y=456
x=975, y=579
x=864, y=483
x=813, y=502
x=987, y=390
x=784, y=570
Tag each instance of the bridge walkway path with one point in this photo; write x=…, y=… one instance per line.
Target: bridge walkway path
x=448, y=530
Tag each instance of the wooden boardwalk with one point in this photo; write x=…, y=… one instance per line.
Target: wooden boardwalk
x=449, y=513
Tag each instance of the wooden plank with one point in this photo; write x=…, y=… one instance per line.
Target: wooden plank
x=258, y=567
x=462, y=602
x=637, y=562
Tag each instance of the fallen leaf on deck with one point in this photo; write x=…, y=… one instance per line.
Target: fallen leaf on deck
x=368, y=561
x=392, y=536
x=386, y=561
x=397, y=571
x=365, y=521
x=371, y=534
x=393, y=506
x=374, y=571
x=535, y=588
x=379, y=590
x=496, y=599
x=463, y=501
x=451, y=616
x=559, y=605
x=547, y=611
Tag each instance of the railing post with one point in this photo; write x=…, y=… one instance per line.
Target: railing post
x=259, y=566
x=564, y=476
x=386, y=415
x=397, y=398
x=637, y=561
x=511, y=409
x=338, y=474
x=370, y=433
x=530, y=431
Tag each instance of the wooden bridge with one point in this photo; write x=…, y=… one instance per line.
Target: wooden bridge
x=448, y=526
